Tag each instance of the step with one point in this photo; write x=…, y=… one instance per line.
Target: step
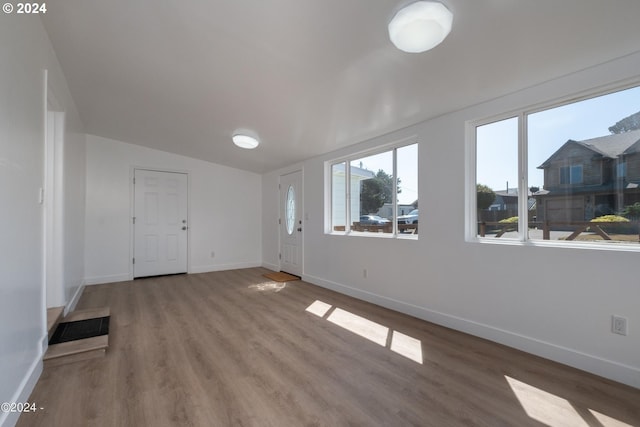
x=90, y=313
x=73, y=351
x=54, y=315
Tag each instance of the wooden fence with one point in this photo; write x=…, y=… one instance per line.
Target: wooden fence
x=383, y=228
x=577, y=228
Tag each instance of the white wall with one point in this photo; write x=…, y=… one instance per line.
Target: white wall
x=552, y=301
x=224, y=210
x=26, y=52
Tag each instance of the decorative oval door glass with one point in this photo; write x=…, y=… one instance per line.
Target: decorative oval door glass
x=290, y=210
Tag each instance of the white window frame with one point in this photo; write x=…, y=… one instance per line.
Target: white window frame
x=471, y=219
x=393, y=147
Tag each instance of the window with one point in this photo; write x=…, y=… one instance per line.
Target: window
x=370, y=193
x=497, y=176
x=572, y=177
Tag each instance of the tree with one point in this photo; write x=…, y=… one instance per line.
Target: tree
x=485, y=196
x=627, y=124
x=371, y=196
x=376, y=191
x=632, y=210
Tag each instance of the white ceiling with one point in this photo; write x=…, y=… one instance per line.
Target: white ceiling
x=308, y=76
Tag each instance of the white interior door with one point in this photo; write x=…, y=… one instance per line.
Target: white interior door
x=160, y=223
x=291, y=223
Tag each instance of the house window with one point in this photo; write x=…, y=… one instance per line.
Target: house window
x=566, y=170
x=571, y=175
x=370, y=192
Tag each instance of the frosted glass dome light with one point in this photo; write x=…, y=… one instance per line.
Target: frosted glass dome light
x=245, y=141
x=420, y=26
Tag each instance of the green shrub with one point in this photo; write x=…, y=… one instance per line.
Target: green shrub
x=632, y=210
x=511, y=220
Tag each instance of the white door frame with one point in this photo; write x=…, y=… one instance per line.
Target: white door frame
x=132, y=237
x=301, y=216
x=52, y=199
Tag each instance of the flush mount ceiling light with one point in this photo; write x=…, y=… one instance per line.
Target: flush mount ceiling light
x=420, y=26
x=243, y=140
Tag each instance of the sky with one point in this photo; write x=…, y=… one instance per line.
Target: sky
x=548, y=130
x=407, y=170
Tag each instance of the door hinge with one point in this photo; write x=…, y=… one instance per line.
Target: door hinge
x=279, y=256
x=134, y=260
x=134, y=180
x=134, y=219
x=279, y=186
x=279, y=220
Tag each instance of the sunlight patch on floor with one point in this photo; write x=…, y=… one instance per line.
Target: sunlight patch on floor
x=545, y=407
x=269, y=286
x=319, y=308
x=360, y=326
x=554, y=411
x=607, y=421
x=407, y=346
x=401, y=344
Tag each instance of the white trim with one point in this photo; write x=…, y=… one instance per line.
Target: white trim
x=523, y=178
x=97, y=280
x=74, y=300
x=28, y=383
x=606, y=368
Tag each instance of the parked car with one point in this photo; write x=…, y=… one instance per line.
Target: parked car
x=410, y=218
x=373, y=220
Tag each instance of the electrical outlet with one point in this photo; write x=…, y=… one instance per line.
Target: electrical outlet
x=213, y=254
x=619, y=325
x=364, y=273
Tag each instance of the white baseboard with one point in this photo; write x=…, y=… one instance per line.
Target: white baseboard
x=222, y=267
x=28, y=383
x=97, y=280
x=606, y=368
x=74, y=300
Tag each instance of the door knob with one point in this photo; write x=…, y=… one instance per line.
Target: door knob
x=184, y=228
x=299, y=228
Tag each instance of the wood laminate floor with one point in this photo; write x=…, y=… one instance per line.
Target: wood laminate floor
x=234, y=349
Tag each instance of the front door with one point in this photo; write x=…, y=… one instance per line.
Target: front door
x=160, y=223
x=291, y=223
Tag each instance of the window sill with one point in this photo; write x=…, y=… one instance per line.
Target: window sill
x=613, y=246
x=374, y=235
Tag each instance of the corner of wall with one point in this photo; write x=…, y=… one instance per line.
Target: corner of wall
x=28, y=383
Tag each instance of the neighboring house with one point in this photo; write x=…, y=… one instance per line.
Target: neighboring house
x=505, y=201
x=339, y=198
x=505, y=205
x=590, y=178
